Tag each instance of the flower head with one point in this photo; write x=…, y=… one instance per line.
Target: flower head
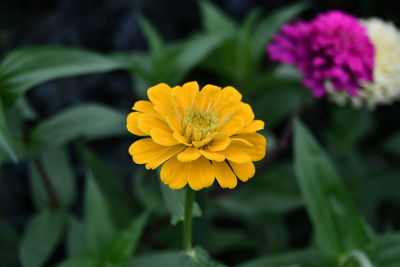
x=333, y=47
x=196, y=136
x=385, y=87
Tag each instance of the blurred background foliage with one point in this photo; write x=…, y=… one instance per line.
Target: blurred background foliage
x=70, y=195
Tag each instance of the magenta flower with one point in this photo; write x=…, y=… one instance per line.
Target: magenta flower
x=333, y=47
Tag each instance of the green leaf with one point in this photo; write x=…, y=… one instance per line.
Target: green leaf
x=339, y=229
x=91, y=121
x=192, y=52
x=8, y=245
x=156, y=44
x=279, y=99
x=75, y=237
x=175, y=203
x=5, y=143
x=41, y=237
x=198, y=257
x=388, y=249
x=111, y=185
x=58, y=171
x=214, y=20
x=306, y=257
x=338, y=135
x=99, y=228
x=157, y=259
x=29, y=67
x=269, y=25
x=356, y=257
x=243, y=46
x=81, y=261
x=125, y=243
x=270, y=192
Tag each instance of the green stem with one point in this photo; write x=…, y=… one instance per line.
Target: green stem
x=187, y=223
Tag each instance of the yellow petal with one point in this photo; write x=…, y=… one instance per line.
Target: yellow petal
x=226, y=110
x=200, y=101
x=181, y=139
x=200, y=173
x=147, y=122
x=212, y=95
x=185, y=94
x=252, y=127
x=146, y=107
x=202, y=142
x=190, y=154
x=132, y=125
x=219, y=142
x=160, y=95
x=229, y=101
x=145, y=150
x=243, y=171
x=173, y=150
x=258, y=150
x=236, y=153
x=174, y=173
x=232, y=126
x=174, y=123
x=244, y=110
x=231, y=93
x=163, y=137
x=241, y=141
x=212, y=155
x=225, y=177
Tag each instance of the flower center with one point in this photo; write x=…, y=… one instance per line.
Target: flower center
x=200, y=123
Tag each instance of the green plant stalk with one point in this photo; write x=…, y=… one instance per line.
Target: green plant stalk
x=187, y=222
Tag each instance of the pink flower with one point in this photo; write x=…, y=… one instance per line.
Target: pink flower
x=333, y=47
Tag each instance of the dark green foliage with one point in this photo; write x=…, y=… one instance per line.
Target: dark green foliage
x=329, y=203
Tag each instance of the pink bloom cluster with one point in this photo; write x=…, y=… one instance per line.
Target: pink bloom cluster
x=333, y=47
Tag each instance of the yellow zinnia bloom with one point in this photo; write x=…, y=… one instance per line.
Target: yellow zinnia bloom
x=198, y=135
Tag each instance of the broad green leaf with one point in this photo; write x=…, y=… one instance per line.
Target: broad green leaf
x=273, y=191
x=355, y=258
x=41, y=237
x=81, y=261
x=75, y=237
x=298, y=258
x=339, y=229
x=5, y=142
x=214, y=20
x=243, y=46
x=29, y=67
x=158, y=259
x=146, y=187
x=344, y=118
x=192, y=52
x=198, y=257
x=219, y=240
x=271, y=24
x=99, y=228
x=387, y=249
x=279, y=99
x=55, y=165
x=9, y=239
x=90, y=121
x=175, y=202
x=111, y=185
x=125, y=243
x=156, y=44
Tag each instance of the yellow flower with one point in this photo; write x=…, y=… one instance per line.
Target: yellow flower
x=198, y=135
